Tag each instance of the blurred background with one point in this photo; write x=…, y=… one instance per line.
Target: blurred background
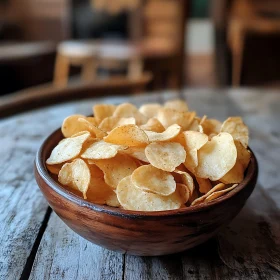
x=173, y=43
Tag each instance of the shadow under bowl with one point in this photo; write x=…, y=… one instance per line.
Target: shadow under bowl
x=141, y=233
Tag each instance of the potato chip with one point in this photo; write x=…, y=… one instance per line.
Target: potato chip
x=184, y=178
x=184, y=192
x=170, y=133
x=92, y=120
x=217, y=194
x=211, y=126
x=201, y=199
x=150, y=110
x=153, y=124
x=236, y=174
x=177, y=104
x=71, y=126
x=193, y=141
x=99, y=192
x=169, y=116
x=102, y=111
x=129, y=135
x=194, y=125
x=127, y=110
x=115, y=168
x=151, y=179
x=54, y=169
x=204, y=185
x=67, y=149
x=236, y=127
x=75, y=175
x=110, y=123
x=216, y=157
x=137, y=152
x=94, y=130
x=133, y=198
x=102, y=150
x=166, y=156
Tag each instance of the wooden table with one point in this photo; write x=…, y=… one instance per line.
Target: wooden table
x=36, y=244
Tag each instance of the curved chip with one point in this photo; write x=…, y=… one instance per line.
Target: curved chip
x=127, y=110
x=216, y=157
x=102, y=150
x=167, y=135
x=210, y=126
x=137, y=152
x=177, y=104
x=68, y=148
x=164, y=155
x=116, y=168
x=184, y=192
x=236, y=127
x=150, y=110
x=97, y=132
x=71, y=126
x=54, y=169
x=133, y=198
x=204, y=185
x=217, y=194
x=236, y=174
x=151, y=179
x=184, y=178
x=102, y=111
x=153, y=124
x=169, y=116
x=110, y=123
x=128, y=135
x=75, y=175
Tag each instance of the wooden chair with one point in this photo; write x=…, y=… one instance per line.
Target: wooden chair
x=78, y=54
x=48, y=94
x=246, y=17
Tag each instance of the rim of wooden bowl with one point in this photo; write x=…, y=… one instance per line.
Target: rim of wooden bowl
x=40, y=165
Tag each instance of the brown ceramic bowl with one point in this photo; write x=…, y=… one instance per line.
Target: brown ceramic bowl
x=140, y=233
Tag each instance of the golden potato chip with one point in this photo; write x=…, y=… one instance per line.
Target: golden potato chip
x=71, y=126
x=236, y=127
x=67, y=149
x=129, y=135
x=216, y=157
x=169, y=116
x=217, y=194
x=102, y=111
x=92, y=120
x=133, y=198
x=99, y=192
x=151, y=179
x=102, y=150
x=184, y=192
x=184, y=178
x=193, y=141
x=94, y=130
x=137, y=152
x=194, y=125
x=201, y=199
x=110, y=123
x=236, y=174
x=202, y=120
x=177, y=104
x=211, y=126
x=54, y=169
x=75, y=175
x=166, y=156
x=127, y=110
x=204, y=185
x=170, y=133
x=150, y=110
x=115, y=168
x=153, y=124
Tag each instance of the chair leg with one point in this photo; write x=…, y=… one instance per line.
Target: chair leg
x=61, y=71
x=89, y=70
x=237, y=58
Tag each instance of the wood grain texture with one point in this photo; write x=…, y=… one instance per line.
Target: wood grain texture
x=246, y=249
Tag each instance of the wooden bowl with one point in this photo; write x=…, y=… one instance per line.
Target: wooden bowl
x=141, y=233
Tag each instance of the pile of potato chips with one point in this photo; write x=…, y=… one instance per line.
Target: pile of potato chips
x=155, y=158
